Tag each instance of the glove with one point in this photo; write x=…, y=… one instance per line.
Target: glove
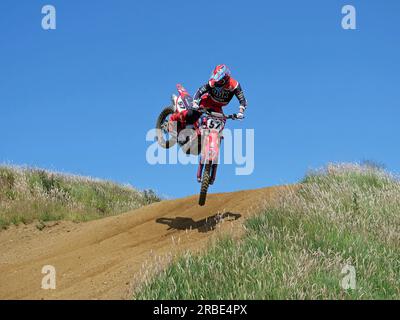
x=240, y=114
x=195, y=105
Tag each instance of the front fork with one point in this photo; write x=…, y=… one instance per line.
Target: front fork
x=210, y=144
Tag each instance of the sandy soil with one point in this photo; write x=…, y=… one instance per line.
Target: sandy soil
x=100, y=259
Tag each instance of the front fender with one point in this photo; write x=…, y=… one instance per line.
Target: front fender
x=210, y=151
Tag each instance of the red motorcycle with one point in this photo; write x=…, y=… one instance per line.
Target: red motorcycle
x=202, y=138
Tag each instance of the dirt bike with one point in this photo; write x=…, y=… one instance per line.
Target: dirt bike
x=204, y=140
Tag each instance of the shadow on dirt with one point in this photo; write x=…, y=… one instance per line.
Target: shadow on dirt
x=204, y=225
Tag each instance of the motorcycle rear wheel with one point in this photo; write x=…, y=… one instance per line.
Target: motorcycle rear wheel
x=162, y=127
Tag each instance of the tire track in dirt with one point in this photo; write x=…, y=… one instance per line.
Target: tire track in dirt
x=98, y=259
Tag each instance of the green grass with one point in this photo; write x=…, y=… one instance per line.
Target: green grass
x=28, y=194
x=297, y=247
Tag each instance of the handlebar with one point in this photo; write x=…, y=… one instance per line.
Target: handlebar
x=232, y=116
x=217, y=114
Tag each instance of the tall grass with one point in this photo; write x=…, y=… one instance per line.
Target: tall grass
x=296, y=248
x=28, y=194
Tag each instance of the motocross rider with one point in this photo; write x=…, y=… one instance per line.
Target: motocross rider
x=212, y=96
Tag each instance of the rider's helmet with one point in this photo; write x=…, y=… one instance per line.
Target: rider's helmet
x=220, y=75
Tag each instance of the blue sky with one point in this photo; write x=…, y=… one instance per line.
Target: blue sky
x=81, y=98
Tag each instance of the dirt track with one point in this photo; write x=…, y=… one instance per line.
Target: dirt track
x=98, y=259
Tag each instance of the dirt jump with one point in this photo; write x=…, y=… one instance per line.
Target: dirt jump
x=99, y=259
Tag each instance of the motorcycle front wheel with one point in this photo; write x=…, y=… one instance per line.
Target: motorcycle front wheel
x=205, y=182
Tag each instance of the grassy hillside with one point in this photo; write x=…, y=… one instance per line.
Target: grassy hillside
x=32, y=194
x=297, y=248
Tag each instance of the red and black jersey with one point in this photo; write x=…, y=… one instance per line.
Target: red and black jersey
x=221, y=96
